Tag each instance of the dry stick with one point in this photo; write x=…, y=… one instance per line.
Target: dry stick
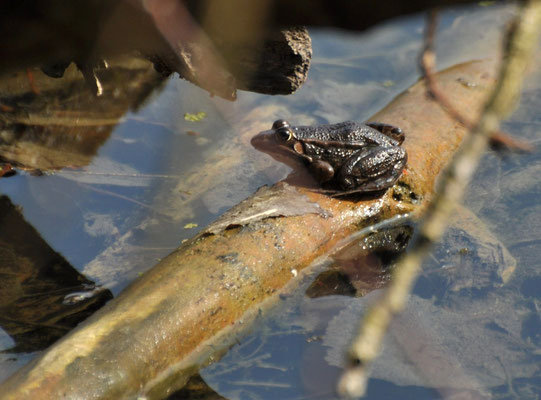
x=521, y=43
x=428, y=63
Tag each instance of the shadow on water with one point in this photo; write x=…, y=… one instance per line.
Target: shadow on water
x=42, y=297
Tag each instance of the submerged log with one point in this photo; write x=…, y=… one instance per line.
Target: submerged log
x=186, y=311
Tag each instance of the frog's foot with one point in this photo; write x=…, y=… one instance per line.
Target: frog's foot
x=321, y=170
x=392, y=131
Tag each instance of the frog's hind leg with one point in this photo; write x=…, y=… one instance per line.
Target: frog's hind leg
x=391, y=131
x=372, y=169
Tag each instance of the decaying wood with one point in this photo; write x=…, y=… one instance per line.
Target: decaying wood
x=185, y=311
x=276, y=64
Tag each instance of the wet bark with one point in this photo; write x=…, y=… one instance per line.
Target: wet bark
x=187, y=310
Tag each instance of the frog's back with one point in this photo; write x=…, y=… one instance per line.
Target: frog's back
x=349, y=132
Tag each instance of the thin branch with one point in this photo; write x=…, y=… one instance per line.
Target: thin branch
x=498, y=139
x=521, y=42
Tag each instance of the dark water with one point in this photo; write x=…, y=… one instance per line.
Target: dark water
x=466, y=331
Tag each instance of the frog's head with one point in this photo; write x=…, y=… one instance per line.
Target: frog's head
x=281, y=143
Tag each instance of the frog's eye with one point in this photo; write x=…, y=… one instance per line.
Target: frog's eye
x=284, y=134
x=280, y=123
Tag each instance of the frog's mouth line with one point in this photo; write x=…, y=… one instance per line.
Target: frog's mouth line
x=267, y=143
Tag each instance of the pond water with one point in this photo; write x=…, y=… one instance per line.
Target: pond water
x=160, y=178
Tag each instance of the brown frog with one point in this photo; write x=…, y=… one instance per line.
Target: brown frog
x=349, y=157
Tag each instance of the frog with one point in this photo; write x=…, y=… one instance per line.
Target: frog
x=347, y=157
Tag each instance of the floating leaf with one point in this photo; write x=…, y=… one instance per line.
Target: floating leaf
x=388, y=83
x=191, y=225
x=198, y=117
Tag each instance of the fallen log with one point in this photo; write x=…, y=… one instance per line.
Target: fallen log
x=186, y=311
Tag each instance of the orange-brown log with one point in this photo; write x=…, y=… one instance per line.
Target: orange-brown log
x=187, y=309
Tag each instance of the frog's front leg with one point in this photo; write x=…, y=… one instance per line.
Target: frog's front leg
x=372, y=169
x=321, y=170
x=391, y=131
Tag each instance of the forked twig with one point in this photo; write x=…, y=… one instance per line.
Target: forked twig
x=427, y=64
x=521, y=42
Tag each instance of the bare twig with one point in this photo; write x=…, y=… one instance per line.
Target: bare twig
x=428, y=66
x=521, y=42
x=498, y=139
